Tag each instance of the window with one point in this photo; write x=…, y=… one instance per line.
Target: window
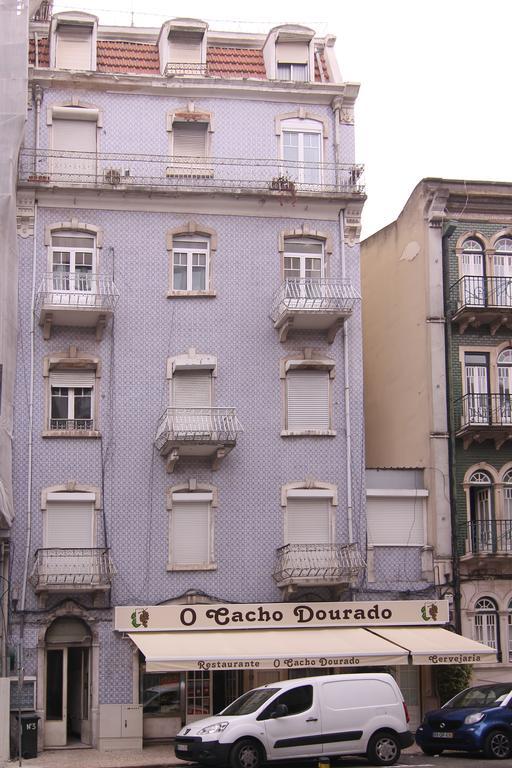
x=297, y=72
x=302, y=150
x=481, y=523
x=190, y=258
x=74, y=47
x=473, y=271
x=191, y=531
x=502, y=263
x=309, y=517
x=303, y=259
x=72, y=383
x=296, y=700
x=69, y=520
x=504, y=402
x=476, y=401
x=74, y=143
x=308, y=401
x=72, y=262
x=486, y=627
x=71, y=395
x=192, y=389
x=396, y=520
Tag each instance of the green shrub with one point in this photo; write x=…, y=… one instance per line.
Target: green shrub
x=450, y=679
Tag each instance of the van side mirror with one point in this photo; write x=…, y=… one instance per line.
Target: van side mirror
x=281, y=710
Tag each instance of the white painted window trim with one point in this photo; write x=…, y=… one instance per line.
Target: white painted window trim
x=176, y=248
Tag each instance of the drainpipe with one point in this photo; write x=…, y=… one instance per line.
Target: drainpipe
x=451, y=433
x=336, y=105
x=28, y=534
x=38, y=98
x=346, y=388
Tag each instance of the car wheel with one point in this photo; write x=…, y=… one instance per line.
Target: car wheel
x=498, y=745
x=246, y=753
x=383, y=749
x=431, y=751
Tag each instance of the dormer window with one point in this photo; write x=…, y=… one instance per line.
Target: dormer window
x=74, y=50
x=288, y=53
x=182, y=47
x=73, y=41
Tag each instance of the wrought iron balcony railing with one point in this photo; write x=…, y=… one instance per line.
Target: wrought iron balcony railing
x=77, y=291
x=73, y=568
x=125, y=170
x=478, y=410
x=489, y=536
x=326, y=295
x=477, y=292
x=333, y=563
x=74, y=425
x=198, y=425
x=185, y=69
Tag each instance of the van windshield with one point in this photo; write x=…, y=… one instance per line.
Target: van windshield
x=249, y=702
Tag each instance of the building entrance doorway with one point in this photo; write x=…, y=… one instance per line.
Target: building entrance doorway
x=67, y=700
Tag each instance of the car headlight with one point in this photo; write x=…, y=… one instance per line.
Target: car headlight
x=474, y=718
x=215, y=728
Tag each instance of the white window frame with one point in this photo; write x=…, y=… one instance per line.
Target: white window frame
x=72, y=394
x=182, y=497
x=301, y=128
x=73, y=281
x=83, y=372
x=290, y=254
x=303, y=68
x=486, y=622
x=86, y=41
x=190, y=252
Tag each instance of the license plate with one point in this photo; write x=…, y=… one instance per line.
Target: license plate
x=183, y=747
x=442, y=735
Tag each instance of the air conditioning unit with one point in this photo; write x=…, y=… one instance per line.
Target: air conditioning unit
x=23, y=698
x=112, y=175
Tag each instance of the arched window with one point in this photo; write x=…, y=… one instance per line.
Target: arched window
x=481, y=518
x=473, y=272
x=504, y=404
x=486, y=622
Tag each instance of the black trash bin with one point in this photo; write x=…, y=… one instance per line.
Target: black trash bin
x=28, y=724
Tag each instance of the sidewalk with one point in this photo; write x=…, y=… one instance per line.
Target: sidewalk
x=154, y=756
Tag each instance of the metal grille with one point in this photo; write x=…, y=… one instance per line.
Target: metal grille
x=88, y=169
x=74, y=567
x=85, y=291
x=478, y=291
x=489, y=536
x=485, y=409
x=340, y=562
x=210, y=425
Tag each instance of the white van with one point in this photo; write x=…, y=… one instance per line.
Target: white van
x=309, y=717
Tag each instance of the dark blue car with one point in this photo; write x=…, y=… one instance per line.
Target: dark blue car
x=478, y=719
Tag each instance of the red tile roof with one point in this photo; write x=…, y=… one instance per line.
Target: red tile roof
x=121, y=56
x=236, y=62
x=142, y=58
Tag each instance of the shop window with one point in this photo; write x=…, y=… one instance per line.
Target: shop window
x=159, y=693
x=198, y=693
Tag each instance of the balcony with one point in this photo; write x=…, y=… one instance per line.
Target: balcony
x=127, y=172
x=484, y=417
x=319, y=565
x=80, y=300
x=72, y=570
x=199, y=432
x=489, y=542
x=313, y=305
x=482, y=301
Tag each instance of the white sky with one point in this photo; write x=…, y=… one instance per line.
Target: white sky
x=435, y=96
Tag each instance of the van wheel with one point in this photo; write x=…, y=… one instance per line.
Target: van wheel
x=246, y=753
x=383, y=749
x=498, y=745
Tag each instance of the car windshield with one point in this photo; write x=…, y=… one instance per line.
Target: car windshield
x=249, y=702
x=480, y=696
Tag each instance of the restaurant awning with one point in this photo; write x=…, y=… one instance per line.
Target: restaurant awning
x=307, y=648
x=435, y=645
x=266, y=649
